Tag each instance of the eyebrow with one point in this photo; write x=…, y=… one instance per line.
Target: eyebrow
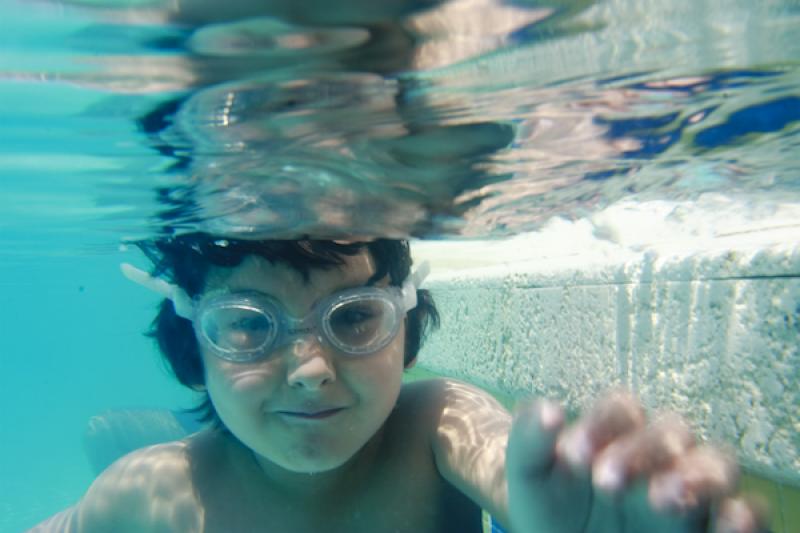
x=353, y=284
x=370, y=282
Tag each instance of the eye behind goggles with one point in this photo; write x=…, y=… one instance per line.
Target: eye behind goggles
x=247, y=326
x=244, y=327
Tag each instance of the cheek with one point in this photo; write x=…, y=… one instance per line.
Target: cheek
x=242, y=383
x=384, y=370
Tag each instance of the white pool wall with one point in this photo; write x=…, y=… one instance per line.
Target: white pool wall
x=702, y=321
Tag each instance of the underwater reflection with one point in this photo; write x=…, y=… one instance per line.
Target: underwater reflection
x=330, y=155
x=467, y=118
x=296, y=121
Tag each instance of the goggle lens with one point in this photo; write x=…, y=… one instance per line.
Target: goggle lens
x=247, y=330
x=238, y=328
x=360, y=325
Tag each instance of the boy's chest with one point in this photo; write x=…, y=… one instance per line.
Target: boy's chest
x=404, y=495
x=371, y=515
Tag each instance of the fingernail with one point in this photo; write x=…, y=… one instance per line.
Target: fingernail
x=607, y=475
x=577, y=449
x=668, y=492
x=551, y=415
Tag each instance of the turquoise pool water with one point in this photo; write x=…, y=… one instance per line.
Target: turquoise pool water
x=444, y=121
x=92, y=357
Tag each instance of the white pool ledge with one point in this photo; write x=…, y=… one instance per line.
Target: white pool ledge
x=712, y=333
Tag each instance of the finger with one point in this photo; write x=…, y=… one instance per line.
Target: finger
x=616, y=415
x=540, y=490
x=701, y=475
x=641, y=453
x=531, y=443
x=740, y=515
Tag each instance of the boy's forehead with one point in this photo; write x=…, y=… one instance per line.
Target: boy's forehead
x=257, y=273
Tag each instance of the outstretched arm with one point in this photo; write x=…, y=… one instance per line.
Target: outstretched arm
x=469, y=444
x=611, y=471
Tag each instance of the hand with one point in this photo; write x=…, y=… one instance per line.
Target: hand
x=611, y=471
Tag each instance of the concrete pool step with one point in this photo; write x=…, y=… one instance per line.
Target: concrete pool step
x=714, y=335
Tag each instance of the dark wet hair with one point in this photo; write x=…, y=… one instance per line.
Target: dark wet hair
x=186, y=260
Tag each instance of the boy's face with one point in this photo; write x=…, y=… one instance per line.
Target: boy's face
x=304, y=407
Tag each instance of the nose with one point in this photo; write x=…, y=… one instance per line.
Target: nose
x=310, y=365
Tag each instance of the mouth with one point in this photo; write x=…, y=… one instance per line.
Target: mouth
x=312, y=414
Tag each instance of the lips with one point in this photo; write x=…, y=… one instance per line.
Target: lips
x=311, y=414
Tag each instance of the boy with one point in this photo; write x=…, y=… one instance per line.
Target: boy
x=300, y=348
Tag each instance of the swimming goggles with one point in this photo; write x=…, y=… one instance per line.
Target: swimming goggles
x=247, y=326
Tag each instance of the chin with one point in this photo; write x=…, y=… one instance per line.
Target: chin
x=316, y=465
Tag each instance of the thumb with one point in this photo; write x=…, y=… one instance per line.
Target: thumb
x=542, y=494
x=531, y=445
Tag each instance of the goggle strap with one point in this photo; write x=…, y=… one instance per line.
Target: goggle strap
x=411, y=285
x=183, y=304
x=180, y=300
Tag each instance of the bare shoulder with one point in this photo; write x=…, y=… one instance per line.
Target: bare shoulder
x=447, y=409
x=147, y=490
x=433, y=396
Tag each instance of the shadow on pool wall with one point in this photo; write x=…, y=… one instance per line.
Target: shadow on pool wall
x=712, y=334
